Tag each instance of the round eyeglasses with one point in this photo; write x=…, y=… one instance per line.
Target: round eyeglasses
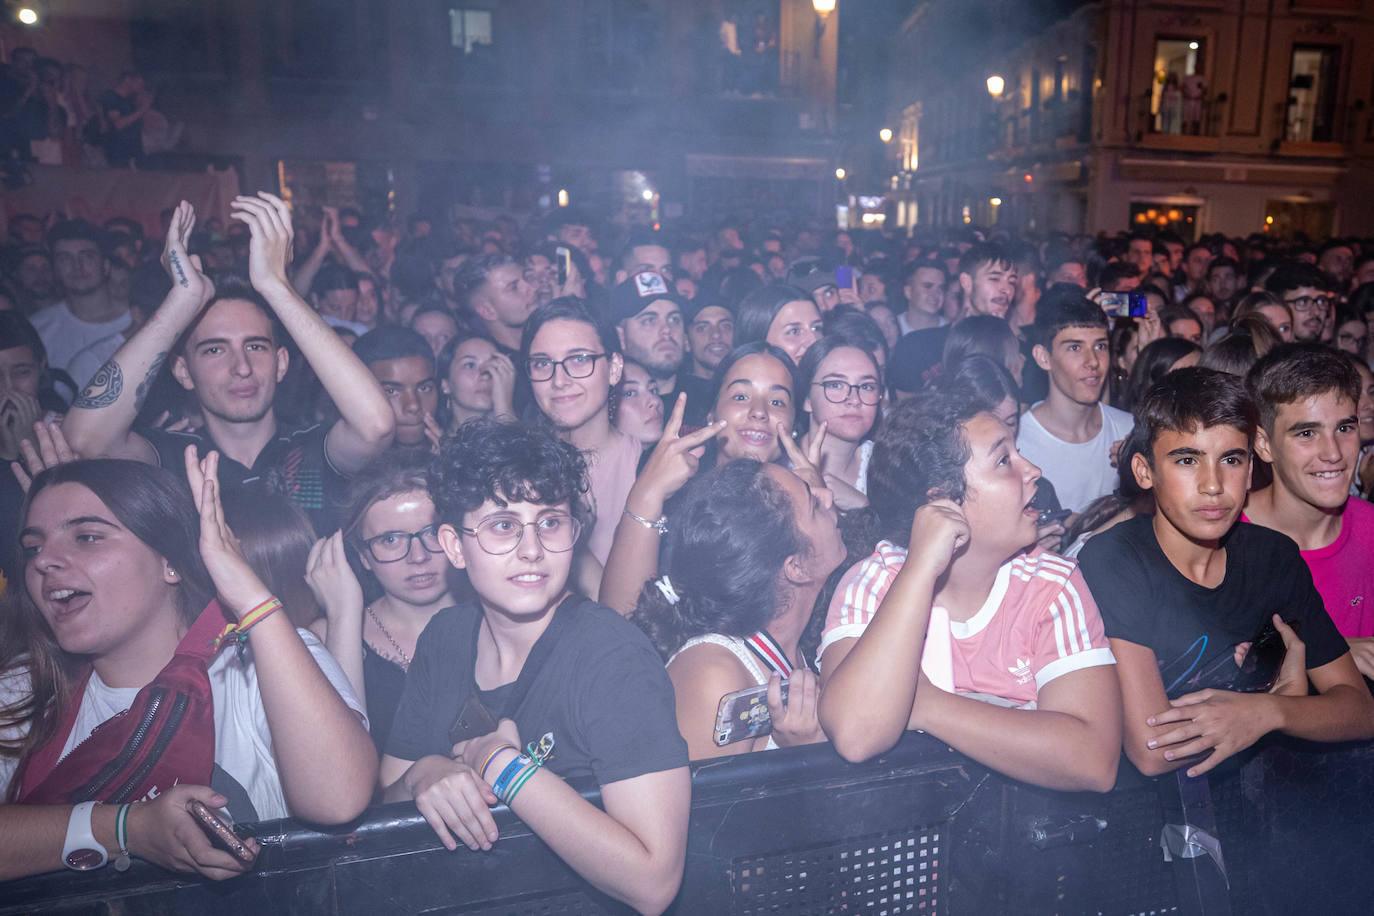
x=837, y=392
x=390, y=546
x=1308, y=303
x=500, y=535
x=579, y=365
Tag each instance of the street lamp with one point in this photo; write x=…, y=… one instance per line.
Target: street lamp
x=28, y=16
x=995, y=85
x=840, y=173
x=823, y=8
x=885, y=135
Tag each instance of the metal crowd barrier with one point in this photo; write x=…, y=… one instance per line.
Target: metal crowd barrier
x=798, y=831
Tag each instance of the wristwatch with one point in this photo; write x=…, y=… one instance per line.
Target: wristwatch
x=82, y=851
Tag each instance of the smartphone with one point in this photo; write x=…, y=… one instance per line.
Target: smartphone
x=744, y=714
x=1114, y=304
x=1260, y=667
x=844, y=277
x=1139, y=305
x=221, y=833
x=1048, y=517
x=473, y=721
x=564, y=264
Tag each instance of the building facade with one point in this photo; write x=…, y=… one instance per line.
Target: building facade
x=1234, y=116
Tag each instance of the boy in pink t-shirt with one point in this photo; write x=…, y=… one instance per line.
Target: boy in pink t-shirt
x=1309, y=433
x=948, y=612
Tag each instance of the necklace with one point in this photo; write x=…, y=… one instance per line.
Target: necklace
x=405, y=659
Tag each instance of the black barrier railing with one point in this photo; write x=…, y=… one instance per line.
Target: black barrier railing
x=798, y=831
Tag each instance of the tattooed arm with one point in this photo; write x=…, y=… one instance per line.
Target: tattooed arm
x=101, y=420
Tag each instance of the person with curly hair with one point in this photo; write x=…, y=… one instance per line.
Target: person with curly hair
x=543, y=680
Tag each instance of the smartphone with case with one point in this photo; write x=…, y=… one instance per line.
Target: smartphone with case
x=1114, y=304
x=744, y=714
x=221, y=833
x=844, y=276
x=1260, y=667
x=1138, y=304
x=564, y=265
x=473, y=721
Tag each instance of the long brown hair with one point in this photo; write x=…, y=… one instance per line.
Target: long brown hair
x=157, y=509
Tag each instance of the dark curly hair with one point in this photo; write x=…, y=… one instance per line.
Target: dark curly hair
x=505, y=462
x=920, y=455
x=730, y=530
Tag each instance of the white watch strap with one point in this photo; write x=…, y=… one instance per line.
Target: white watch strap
x=81, y=851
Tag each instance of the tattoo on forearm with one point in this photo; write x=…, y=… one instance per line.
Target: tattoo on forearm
x=146, y=385
x=103, y=389
x=176, y=265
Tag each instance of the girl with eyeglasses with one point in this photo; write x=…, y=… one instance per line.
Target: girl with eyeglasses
x=841, y=388
x=572, y=359
x=391, y=529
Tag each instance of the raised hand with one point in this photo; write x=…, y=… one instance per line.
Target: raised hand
x=269, y=248
x=673, y=461
x=332, y=581
x=938, y=531
x=501, y=371
x=185, y=270
x=47, y=449
x=238, y=586
x=18, y=413
x=805, y=464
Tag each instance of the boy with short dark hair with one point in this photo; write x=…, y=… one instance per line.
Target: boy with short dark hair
x=403, y=364
x=1309, y=433
x=1183, y=592
x=533, y=667
x=1071, y=435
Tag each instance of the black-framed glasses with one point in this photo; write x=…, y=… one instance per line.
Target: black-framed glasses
x=579, y=365
x=1308, y=303
x=837, y=391
x=500, y=535
x=390, y=546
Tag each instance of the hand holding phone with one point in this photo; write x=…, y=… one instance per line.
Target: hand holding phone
x=744, y=714
x=220, y=832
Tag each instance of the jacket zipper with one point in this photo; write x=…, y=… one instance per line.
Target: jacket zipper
x=169, y=729
x=111, y=770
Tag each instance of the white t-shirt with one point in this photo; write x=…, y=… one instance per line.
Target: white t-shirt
x=243, y=741
x=1080, y=471
x=64, y=335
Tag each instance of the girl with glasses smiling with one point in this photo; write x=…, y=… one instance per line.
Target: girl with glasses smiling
x=391, y=527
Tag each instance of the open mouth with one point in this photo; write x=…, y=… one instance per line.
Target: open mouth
x=68, y=601
x=754, y=437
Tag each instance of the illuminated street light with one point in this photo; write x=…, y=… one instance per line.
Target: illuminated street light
x=995, y=201
x=562, y=197
x=647, y=194
x=840, y=173
x=885, y=135
x=1192, y=46
x=823, y=8
x=995, y=85
x=28, y=16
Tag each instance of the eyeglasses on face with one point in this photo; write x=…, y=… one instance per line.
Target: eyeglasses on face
x=499, y=535
x=579, y=365
x=1308, y=303
x=837, y=391
x=390, y=546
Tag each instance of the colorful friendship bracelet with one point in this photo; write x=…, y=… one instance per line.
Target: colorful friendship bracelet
x=238, y=632
x=509, y=773
x=482, y=773
x=122, y=837
x=519, y=782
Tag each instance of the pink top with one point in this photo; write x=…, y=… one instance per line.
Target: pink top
x=1343, y=571
x=610, y=474
x=1038, y=623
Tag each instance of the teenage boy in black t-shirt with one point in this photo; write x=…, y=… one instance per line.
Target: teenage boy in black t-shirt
x=1182, y=592
x=595, y=691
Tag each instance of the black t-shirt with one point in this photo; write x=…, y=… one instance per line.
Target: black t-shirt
x=385, y=681
x=914, y=356
x=701, y=399
x=1190, y=628
x=126, y=144
x=602, y=692
x=293, y=463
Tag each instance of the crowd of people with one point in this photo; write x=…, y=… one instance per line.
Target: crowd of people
x=306, y=515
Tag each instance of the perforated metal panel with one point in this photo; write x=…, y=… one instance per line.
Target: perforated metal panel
x=878, y=874
x=575, y=904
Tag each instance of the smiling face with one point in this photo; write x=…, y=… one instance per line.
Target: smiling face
x=99, y=587
x=1076, y=363
x=232, y=362
x=420, y=577
x=1000, y=486
x=571, y=402
x=1314, y=448
x=795, y=327
x=755, y=395
x=851, y=375
x=640, y=412
x=1199, y=479
x=524, y=583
